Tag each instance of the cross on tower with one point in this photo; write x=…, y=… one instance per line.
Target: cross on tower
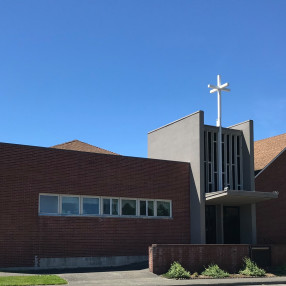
x=219, y=88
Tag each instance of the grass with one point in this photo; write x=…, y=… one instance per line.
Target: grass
x=177, y=271
x=214, y=271
x=251, y=269
x=31, y=280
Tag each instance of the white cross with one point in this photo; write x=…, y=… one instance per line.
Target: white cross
x=219, y=88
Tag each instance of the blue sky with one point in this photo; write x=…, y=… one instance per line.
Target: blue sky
x=106, y=72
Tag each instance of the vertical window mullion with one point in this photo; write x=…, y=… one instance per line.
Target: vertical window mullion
x=60, y=204
x=155, y=208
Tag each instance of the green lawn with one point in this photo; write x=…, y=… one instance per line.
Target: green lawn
x=31, y=280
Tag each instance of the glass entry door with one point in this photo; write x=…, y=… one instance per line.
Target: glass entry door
x=231, y=225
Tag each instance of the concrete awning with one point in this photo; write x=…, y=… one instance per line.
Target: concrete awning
x=235, y=198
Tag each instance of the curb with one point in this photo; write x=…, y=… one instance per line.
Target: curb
x=232, y=281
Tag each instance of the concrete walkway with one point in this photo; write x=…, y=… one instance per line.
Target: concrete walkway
x=139, y=276
x=145, y=278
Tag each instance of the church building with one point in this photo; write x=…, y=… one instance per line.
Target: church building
x=77, y=205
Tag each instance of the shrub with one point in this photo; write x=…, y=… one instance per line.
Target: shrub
x=214, y=271
x=177, y=271
x=251, y=268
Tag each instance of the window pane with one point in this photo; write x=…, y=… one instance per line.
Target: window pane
x=90, y=206
x=70, y=205
x=150, y=208
x=142, y=207
x=115, y=206
x=48, y=204
x=106, y=206
x=163, y=208
x=128, y=207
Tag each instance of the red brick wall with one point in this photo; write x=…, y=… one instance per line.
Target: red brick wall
x=278, y=254
x=26, y=171
x=271, y=215
x=194, y=257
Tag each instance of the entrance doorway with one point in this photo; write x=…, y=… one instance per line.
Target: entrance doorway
x=231, y=225
x=210, y=224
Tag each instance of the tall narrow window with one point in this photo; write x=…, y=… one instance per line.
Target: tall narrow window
x=150, y=208
x=215, y=157
x=106, y=206
x=210, y=145
x=143, y=207
x=115, y=207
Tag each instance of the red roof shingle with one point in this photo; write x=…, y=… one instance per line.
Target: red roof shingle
x=266, y=150
x=77, y=145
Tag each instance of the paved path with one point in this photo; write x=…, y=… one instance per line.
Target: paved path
x=140, y=276
x=145, y=278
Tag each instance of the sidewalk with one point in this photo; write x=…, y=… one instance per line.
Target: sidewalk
x=145, y=278
x=141, y=277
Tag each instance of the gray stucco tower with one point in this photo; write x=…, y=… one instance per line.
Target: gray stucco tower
x=217, y=216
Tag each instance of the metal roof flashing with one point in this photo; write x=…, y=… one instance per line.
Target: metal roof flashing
x=238, y=197
x=175, y=121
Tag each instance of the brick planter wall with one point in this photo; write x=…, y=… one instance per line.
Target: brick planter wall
x=278, y=254
x=194, y=257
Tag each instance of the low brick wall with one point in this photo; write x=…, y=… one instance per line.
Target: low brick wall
x=194, y=257
x=278, y=254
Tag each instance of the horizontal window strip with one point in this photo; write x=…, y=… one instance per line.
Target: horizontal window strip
x=98, y=206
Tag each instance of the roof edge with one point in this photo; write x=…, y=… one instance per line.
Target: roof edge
x=176, y=121
x=249, y=120
x=91, y=153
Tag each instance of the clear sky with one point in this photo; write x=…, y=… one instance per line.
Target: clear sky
x=106, y=72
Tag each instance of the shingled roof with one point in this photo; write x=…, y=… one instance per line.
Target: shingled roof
x=266, y=150
x=77, y=145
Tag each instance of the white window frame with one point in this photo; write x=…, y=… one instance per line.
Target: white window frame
x=90, y=197
x=168, y=201
x=146, y=201
x=110, y=205
x=79, y=206
x=39, y=204
x=136, y=205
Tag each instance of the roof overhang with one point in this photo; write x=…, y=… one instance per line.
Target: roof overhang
x=236, y=198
